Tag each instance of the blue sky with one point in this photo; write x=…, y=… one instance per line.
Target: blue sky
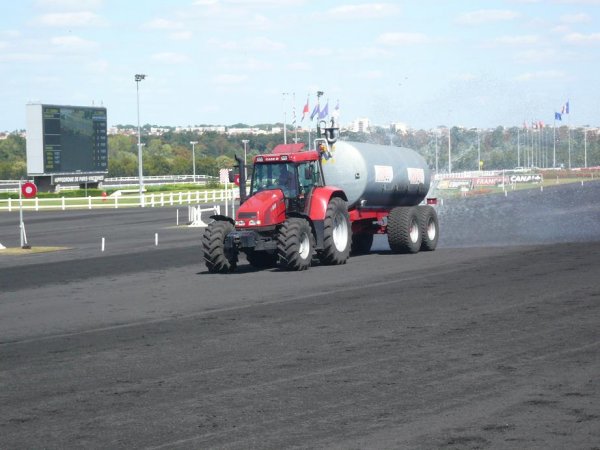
x=424, y=63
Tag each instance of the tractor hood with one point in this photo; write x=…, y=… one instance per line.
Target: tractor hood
x=265, y=208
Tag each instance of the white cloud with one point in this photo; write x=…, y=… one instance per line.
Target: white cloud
x=363, y=11
x=98, y=66
x=371, y=75
x=517, y=40
x=23, y=57
x=69, y=5
x=260, y=44
x=400, y=38
x=536, y=55
x=170, y=58
x=72, y=43
x=163, y=24
x=181, y=35
x=487, y=15
x=541, y=75
x=299, y=66
x=70, y=19
x=580, y=38
x=576, y=18
x=229, y=79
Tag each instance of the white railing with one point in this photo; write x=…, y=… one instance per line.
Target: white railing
x=149, y=200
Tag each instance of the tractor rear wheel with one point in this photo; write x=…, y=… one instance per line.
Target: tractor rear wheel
x=295, y=244
x=404, y=232
x=336, y=233
x=213, y=240
x=261, y=259
x=430, y=229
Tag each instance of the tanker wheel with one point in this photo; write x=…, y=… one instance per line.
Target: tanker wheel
x=336, y=233
x=217, y=260
x=404, y=231
x=261, y=259
x=295, y=244
x=430, y=229
x=361, y=243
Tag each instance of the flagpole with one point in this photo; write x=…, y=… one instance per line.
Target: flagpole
x=554, y=139
x=295, y=124
x=518, y=147
x=283, y=94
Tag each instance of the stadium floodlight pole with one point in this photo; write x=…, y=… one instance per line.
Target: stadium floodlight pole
x=138, y=78
x=194, y=158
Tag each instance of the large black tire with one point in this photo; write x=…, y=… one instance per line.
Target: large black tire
x=261, y=259
x=404, y=232
x=217, y=261
x=295, y=244
x=430, y=228
x=361, y=243
x=336, y=233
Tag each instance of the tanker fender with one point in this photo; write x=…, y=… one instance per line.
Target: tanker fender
x=319, y=199
x=222, y=217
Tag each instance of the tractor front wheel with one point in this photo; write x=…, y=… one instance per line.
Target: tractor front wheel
x=295, y=244
x=213, y=244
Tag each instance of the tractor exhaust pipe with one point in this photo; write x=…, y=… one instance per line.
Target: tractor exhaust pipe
x=242, y=172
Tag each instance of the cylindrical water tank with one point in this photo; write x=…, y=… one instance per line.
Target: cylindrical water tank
x=377, y=176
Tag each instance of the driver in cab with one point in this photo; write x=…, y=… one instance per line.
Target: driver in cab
x=286, y=182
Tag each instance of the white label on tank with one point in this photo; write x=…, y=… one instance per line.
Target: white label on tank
x=384, y=174
x=415, y=175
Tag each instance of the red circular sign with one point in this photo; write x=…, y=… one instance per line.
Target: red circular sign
x=236, y=179
x=29, y=190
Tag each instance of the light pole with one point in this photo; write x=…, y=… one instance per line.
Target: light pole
x=194, y=158
x=138, y=78
x=245, y=142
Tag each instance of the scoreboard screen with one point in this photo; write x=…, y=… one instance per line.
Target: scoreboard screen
x=66, y=139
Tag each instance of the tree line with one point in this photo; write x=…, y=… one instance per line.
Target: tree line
x=499, y=148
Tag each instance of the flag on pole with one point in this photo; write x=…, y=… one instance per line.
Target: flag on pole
x=336, y=110
x=557, y=116
x=315, y=112
x=305, y=110
x=567, y=107
x=325, y=111
x=540, y=124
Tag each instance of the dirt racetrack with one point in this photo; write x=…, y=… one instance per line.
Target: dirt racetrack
x=492, y=341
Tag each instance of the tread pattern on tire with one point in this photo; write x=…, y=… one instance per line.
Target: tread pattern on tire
x=213, y=246
x=428, y=214
x=398, y=229
x=330, y=254
x=288, y=244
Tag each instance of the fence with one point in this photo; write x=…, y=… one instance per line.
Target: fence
x=150, y=200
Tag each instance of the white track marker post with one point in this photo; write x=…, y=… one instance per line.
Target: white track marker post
x=226, y=199
x=177, y=217
x=156, y=239
x=24, y=243
x=102, y=245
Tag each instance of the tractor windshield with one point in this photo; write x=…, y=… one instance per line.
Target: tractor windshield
x=276, y=176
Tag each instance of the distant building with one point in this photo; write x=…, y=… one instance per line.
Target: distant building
x=399, y=127
x=362, y=125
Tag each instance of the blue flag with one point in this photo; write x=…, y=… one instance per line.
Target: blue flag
x=315, y=112
x=325, y=112
x=557, y=116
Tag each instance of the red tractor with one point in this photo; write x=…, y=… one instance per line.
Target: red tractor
x=292, y=214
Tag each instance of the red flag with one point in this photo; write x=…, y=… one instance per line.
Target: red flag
x=305, y=110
